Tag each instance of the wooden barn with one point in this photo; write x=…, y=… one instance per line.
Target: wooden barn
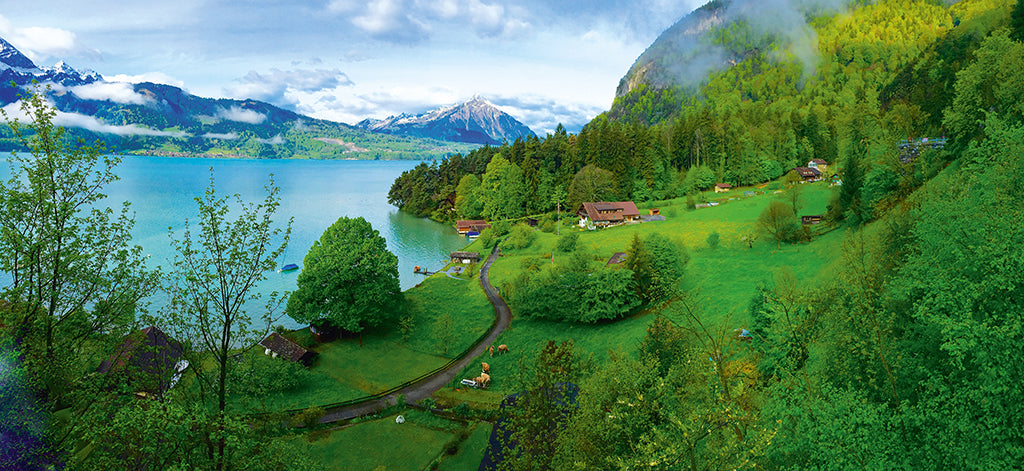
x=607, y=214
x=465, y=257
x=278, y=346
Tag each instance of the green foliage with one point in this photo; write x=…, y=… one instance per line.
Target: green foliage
x=520, y=237
x=590, y=184
x=574, y=295
x=72, y=271
x=657, y=265
x=778, y=221
x=214, y=273
x=713, y=240
x=349, y=278
x=567, y=242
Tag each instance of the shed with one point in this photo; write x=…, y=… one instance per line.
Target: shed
x=654, y=211
x=149, y=359
x=807, y=220
x=466, y=225
x=277, y=345
x=808, y=174
x=465, y=257
x=722, y=187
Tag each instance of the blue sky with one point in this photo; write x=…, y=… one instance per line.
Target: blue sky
x=545, y=62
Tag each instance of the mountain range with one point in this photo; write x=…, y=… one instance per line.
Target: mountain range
x=476, y=121
x=151, y=118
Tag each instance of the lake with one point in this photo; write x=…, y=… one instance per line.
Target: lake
x=313, y=192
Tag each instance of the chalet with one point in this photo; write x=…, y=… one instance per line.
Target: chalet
x=607, y=214
x=465, y=257
x=722, y=187
x=465, y=226
x=808, y=174
x=277, y=345
x=149, y=360
x=819, y=164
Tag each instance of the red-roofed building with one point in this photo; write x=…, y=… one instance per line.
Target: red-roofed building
x=722, y=187
x=607, y=214
x=465, y=226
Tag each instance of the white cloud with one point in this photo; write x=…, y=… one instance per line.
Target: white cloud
x=213, y=135
x=39, y=42
x=241, y=115
x=154, y=77
x=117, y=92
x=274, y=141
x=76, y=120
x=280, y=87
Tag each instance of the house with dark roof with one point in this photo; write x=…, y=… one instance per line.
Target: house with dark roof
x=149, y=360
x=277, y=346
x=808, y=174
x=607, y=214
x=465, y=226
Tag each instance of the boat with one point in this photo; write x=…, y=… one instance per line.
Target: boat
x=472, y=234
x=289, y=267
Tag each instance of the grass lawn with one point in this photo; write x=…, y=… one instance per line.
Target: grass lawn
x=471, y=452
x=724, y=279
x=382, y=442
x=351, y=368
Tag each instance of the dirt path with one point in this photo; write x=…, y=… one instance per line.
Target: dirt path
x=427, y=386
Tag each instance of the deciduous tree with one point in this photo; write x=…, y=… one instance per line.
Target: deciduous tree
x=349, y=278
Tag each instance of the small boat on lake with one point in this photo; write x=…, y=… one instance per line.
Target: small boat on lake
x=289, y=267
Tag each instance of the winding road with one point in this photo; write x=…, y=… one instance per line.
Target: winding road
x=426, y=387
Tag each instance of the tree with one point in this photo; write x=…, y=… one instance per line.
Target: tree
x=567, y=242
x=467, y=204
x=212, y=285
x=73, y=271
x=349, y=278
x=591, y=183
x=778, y=221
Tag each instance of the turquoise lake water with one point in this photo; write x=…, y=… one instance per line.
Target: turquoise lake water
x=313, y=192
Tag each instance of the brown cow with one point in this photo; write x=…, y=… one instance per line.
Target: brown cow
x=502, y=349
x=491, y=350
x=486, y=368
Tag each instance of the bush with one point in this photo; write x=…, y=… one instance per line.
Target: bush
x=308, y=418
x=429, y=403
x=487, y=237
x=713, y=240
x=461, y=410
x=521, y=237
x=567, y=242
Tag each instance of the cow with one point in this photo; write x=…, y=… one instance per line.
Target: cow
x=486, y=368
x=491, y=351
x=502, y=349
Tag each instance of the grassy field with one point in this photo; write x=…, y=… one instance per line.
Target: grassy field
x=352, y=368
x=378, y=443
x=722, y=279
x=471, y=452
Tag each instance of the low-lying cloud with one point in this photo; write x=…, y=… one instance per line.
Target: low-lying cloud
x=225, y=136
x=117, y=92
x=241, y=115
x=76, y=120
x=276, y=86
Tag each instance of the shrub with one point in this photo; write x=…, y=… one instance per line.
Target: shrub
x=567, y=242
x=713, y=240
x=521, y=237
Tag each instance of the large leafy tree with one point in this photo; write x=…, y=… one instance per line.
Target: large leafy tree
x=348, y=280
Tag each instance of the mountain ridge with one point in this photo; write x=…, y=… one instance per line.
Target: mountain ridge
x=476, y=121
